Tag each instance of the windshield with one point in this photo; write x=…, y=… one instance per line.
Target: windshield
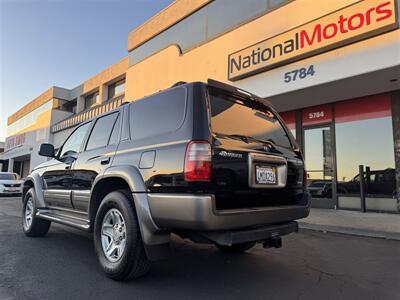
x=230, y=116
x=8, y=176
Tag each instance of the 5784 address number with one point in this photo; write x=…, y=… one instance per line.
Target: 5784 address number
x=300, y=73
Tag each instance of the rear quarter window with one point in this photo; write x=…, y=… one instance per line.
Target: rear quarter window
x=159, y=114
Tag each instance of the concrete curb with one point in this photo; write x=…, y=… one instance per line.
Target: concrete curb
x=350, y=231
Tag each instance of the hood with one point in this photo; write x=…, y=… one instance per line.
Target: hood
x=48, y=163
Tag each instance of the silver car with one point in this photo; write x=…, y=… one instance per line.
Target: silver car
x=10, y=184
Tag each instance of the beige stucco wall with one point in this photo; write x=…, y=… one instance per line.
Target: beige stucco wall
x=116, y=70
x=210, y=60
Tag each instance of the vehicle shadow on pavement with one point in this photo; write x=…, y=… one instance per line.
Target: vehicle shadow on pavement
x=310, y=265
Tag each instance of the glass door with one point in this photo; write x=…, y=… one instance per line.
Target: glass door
x=319, y=157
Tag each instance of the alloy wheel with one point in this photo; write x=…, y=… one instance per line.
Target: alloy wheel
x=113, y=235
x=28, y=213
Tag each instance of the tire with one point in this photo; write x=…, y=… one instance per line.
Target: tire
x=32, y=225
x=116, y=228
x=236, y=248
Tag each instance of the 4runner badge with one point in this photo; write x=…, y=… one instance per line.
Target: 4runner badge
x=230, y=154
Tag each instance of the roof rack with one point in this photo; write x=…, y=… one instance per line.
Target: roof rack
x=178, y=83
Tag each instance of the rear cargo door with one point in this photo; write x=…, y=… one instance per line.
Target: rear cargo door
x=252, y=150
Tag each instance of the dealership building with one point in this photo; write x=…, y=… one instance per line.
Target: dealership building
x=331, y=69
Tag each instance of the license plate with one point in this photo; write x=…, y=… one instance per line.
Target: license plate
x=266, y=175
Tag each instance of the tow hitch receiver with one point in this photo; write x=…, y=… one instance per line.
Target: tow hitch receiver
x=269, y=235
x=275, y=242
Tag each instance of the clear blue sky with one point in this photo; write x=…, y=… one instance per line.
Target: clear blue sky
x=61, y=42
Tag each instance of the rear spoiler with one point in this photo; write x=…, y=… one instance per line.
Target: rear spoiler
x=237, y=91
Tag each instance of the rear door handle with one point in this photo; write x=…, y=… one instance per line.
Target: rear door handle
x=105, y=161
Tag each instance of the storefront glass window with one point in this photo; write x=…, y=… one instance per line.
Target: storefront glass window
x=364, y=136
x=319, y=164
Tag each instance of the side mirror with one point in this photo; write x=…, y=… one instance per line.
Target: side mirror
x=47, y=150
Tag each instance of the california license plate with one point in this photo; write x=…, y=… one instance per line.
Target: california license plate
x=266, y=175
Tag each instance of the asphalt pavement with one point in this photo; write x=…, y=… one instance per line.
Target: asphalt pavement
x=311, y=265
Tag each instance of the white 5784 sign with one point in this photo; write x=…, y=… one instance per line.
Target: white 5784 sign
x=316, y=115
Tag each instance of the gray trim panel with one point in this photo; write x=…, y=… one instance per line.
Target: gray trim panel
x=197, y=212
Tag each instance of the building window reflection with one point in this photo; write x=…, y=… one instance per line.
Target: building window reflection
x=31, y=119
x=91, y=100
x=116, y=89
x=364, y=136
x=204, y=25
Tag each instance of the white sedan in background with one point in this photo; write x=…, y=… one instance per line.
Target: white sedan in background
x=10, y=184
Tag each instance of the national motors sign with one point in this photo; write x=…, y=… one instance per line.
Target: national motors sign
x=350, y=24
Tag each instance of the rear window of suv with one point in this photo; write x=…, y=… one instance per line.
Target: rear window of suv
x=234, y=116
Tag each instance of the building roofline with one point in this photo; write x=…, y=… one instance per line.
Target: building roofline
x=167, y=17
x=35, y=103
x=105, y=75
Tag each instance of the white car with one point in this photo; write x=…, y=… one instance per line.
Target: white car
x=10, y=184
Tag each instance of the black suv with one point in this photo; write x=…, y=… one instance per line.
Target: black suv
x=209, y=162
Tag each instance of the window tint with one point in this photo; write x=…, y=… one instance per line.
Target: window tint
x=74, y=142
x=158, y=114
x=101, y=131
x=115, y=131
x=232, y=118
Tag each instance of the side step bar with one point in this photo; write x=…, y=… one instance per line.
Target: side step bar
x=72, y=221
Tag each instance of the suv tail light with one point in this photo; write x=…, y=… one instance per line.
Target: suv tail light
x=304, y=177
x=198, y=161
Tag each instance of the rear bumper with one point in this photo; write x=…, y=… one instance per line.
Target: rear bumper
x=197, y=212
x=264, y=233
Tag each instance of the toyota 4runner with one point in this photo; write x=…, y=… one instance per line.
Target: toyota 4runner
x=208, y=162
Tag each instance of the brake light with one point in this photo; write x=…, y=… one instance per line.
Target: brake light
x=305, y=177
x=198, y=161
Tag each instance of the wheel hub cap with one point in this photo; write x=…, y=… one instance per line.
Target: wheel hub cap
x=113, y=235
x=28, y=214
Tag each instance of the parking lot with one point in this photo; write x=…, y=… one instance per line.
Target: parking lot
x=311, y=265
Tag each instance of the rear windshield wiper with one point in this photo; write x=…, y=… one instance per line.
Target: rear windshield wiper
x=249, y=139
